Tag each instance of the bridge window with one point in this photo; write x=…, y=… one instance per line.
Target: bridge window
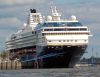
x=74, y=24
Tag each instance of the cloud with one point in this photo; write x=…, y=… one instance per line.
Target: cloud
x=20, y=2
x=9, y=26
x=9, y=22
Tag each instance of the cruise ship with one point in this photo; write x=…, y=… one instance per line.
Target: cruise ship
x=48, y=41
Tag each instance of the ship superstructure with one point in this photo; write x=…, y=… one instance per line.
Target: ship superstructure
x=46, y=42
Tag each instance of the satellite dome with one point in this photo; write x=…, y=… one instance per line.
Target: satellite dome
x=49, y=18
x=73, y=17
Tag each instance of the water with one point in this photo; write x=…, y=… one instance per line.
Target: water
x=62, y=72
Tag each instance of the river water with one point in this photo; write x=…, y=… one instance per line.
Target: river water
x=61, y=72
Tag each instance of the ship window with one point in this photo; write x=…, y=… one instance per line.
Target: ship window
x=75, y=40
x=42, y=34
x=48, y=29
x=71, y=40
x=73, y=29
x=83, y=29
x=59, y=40
x=63, y=40
x=59, y=29
x=74, y=24
x=56, y=24
x=33, y=32
x=49, y=41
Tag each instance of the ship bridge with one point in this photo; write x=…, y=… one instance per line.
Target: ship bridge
x=62, y=23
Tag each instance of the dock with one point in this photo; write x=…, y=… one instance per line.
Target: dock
x=10, y=65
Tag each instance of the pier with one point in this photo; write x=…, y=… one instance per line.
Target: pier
x=10, y=65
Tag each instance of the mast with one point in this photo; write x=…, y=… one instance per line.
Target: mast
x=55, y=15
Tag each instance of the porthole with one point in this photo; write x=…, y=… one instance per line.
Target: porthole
x=49, y=41
x=63, y=40
x=59, y=40
x=52, y=47
x=32, y=32
x=75, y=40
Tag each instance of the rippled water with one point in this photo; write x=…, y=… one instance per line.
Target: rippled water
x=63, y=72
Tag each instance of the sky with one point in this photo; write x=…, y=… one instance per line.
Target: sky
x=13, y=13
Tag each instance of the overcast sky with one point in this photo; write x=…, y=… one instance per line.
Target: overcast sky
x=13, y=13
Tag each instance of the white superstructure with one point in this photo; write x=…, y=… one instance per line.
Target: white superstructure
x=50, y=31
